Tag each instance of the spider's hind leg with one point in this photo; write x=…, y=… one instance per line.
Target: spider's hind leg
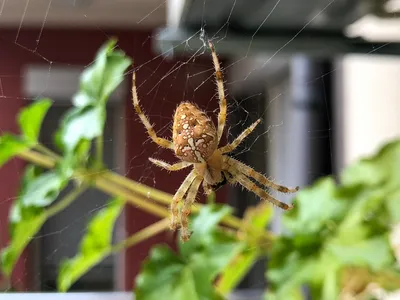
x=260, y=178
x=238, y=175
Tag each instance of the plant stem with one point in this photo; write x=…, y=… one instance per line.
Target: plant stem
x=99, y=150
x=43, y=149
x=149, y=192
x=100, y=182
x=135, y=199
x=38, y=159
x=142, y=235
x=123, y=187
x=160, y=196
x=66, y=201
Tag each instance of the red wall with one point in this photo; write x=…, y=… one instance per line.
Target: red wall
x=78, y=47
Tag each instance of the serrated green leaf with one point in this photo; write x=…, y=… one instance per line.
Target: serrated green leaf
x=117, y=63
x=100, y=79
x=31, y=117
x=10, y=146
x=95, y=245
x=336, y=226
x=190, y=274
x=92, y=78
x=84, y=123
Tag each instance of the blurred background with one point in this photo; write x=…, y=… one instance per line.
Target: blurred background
x=323, y=75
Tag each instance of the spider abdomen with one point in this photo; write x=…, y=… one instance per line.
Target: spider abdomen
x=193, y=133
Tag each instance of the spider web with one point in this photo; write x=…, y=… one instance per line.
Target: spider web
x=163, y=83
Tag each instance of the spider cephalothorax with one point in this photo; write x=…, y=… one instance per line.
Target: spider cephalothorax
x=195, y=141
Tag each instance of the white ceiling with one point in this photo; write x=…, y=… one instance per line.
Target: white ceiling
x=82, y=13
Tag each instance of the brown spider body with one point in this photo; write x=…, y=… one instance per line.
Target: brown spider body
x=193, y=134
x=195, y=141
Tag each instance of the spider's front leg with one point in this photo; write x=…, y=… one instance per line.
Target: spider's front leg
x=186, y=208
x=175, y=167
x=150, y=129
x=180, y=193
x=207, y=188
x=236, y=142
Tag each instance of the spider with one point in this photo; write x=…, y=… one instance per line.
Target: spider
x=195, y=141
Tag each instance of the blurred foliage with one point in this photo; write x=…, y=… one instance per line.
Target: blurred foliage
x=95, y=245
x=189, y=274
x=336, y=241
x=335, y=227
x=84, y=122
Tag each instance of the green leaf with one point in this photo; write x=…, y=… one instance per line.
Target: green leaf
x=314, y=207
x=82, y=124
x=31, y=117
x=255, y=222
x=22, y=233
x=173, y=280
x=285, y=282
x=30, y=120
x=203, y=226
x=377, y=169
x=374, y=253
x=100, y=79
x=336, y=226
x=237, y=269
x=191, y=273
x=43, y=190
x=95, y=245
x=393, y=206
x=11, y=146
x=27, y=214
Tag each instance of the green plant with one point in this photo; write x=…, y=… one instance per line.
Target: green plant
x=339, y=233
x=336, y=231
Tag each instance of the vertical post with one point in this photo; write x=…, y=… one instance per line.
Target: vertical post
x=306, y=145
x=307, y=118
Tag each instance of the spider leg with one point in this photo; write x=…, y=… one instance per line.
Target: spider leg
x=150, y=130
x=232, y=146
x=246, y=170
x=252, y=187
x=175, y=167
x=207, y=188
x=186, y=208
x=180, y=193
x=221, y=92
